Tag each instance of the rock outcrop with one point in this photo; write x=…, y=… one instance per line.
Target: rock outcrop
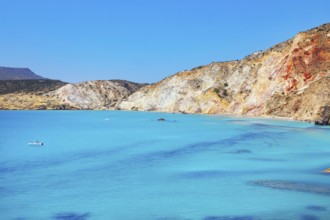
x=291, y=79
x=324, y=117
x=100, y=94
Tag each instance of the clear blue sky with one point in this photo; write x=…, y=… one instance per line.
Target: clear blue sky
x=144, y=40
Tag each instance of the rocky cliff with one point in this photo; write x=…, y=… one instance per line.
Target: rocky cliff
x=51, y=94
x=291, y=79
x=101, y=94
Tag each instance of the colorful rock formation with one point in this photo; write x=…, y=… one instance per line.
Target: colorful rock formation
x=291, y=79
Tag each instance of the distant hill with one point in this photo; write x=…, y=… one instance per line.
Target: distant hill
x=8, y=73
x=29, y=86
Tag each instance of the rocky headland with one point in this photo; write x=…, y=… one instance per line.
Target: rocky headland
x=290, y=79
x=100, y=94
x=32, y=94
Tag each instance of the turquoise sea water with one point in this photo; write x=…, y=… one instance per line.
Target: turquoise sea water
x=128, y=165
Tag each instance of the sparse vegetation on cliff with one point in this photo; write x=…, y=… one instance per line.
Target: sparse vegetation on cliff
x=290, y=79
x=29, y=86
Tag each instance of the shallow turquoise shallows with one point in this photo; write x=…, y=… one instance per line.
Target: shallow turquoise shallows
x=128, y=165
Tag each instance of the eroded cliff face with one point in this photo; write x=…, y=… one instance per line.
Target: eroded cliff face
x=291, y=79
x=100, y=94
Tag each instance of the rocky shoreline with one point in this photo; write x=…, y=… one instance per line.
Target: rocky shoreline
x=288, y=81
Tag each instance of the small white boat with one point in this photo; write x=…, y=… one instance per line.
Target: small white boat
x=36, y=143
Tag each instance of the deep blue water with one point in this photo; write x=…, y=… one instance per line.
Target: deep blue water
x=128, y=165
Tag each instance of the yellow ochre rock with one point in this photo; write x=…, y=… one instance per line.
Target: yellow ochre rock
x=290, y=79
x=326, y=171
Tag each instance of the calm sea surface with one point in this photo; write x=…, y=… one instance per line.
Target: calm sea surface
x=128, y=165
